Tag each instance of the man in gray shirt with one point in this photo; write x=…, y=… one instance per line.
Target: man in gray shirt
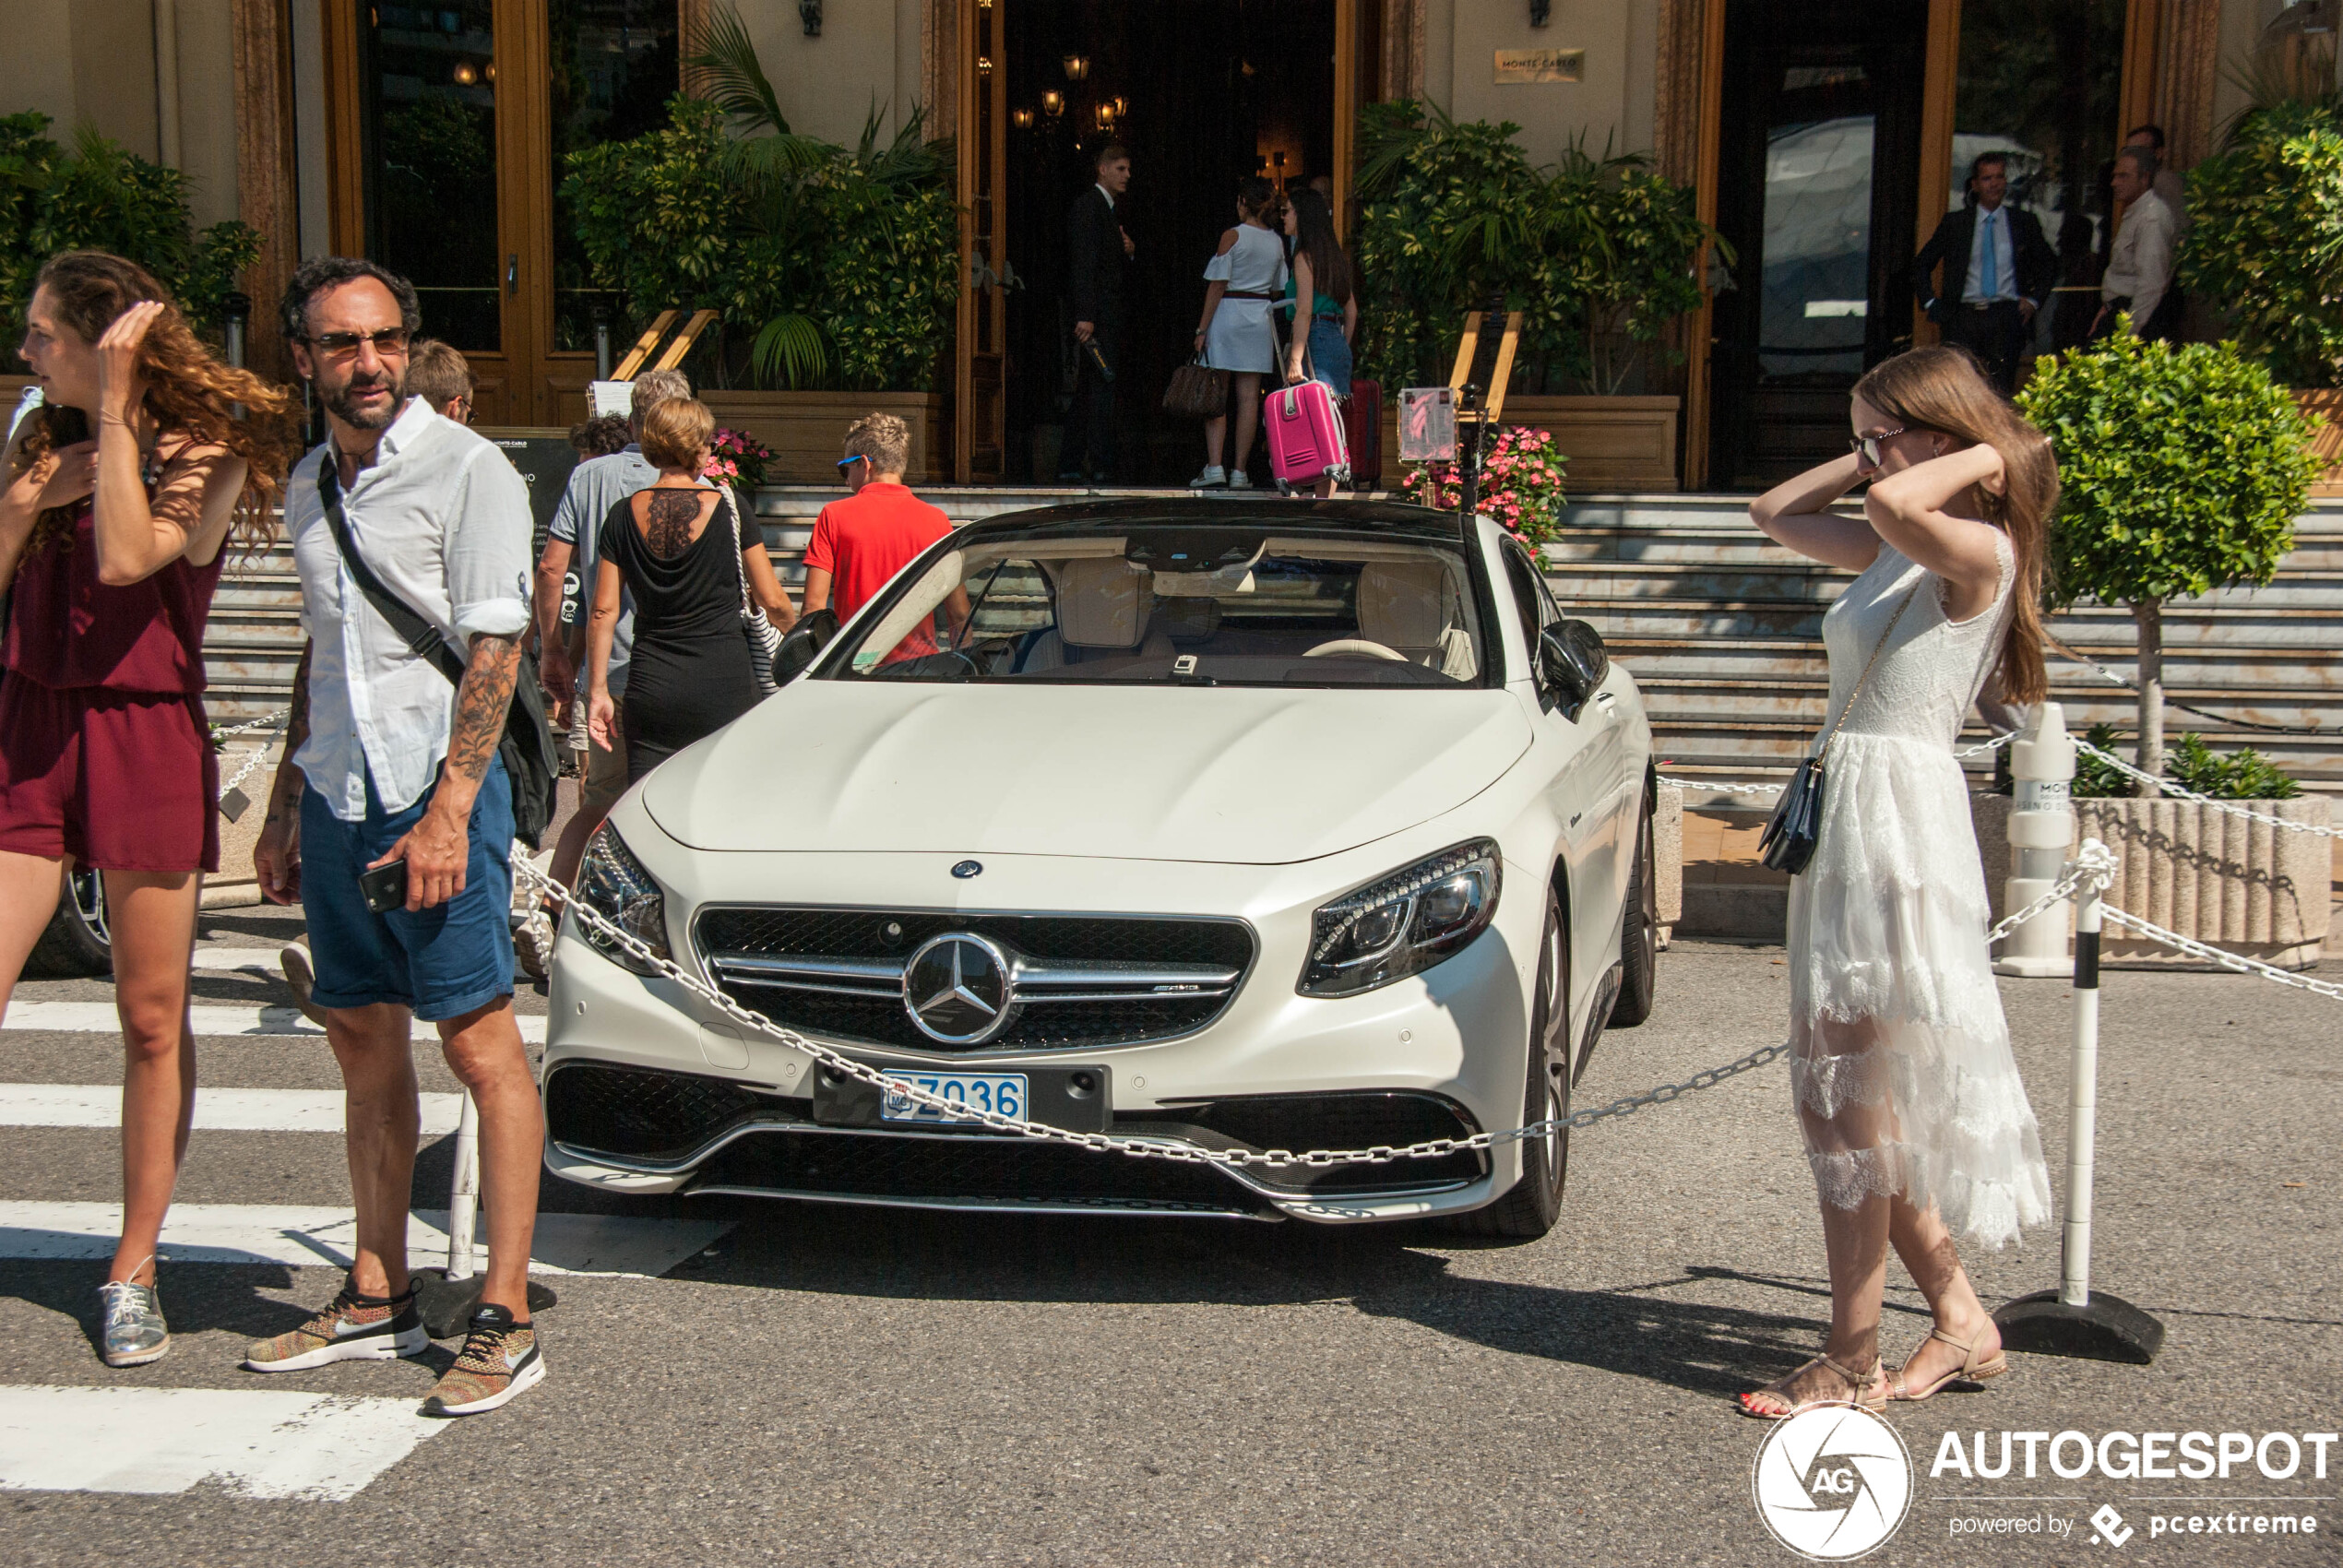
x=595, y=487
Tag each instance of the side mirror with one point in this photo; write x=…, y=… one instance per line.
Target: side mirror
x=1572, y=661
x=803, y=644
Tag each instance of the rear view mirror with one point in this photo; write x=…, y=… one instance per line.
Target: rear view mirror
x=1572, y=661
x=803, y=644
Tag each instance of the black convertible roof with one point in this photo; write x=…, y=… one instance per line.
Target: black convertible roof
x=1286, y=515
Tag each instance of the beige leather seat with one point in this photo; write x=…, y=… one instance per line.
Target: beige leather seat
x=1413, y=608
x=1105, y=605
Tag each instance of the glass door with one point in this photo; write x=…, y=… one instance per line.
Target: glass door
x=1817, y=191
x=465, y=115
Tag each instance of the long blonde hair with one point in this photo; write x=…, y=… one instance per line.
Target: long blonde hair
x=190, y=392
x=1943, y=387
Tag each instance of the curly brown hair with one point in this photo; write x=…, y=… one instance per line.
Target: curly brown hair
x=190, y=393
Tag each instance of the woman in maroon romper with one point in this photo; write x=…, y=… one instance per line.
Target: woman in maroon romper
x=117, y=502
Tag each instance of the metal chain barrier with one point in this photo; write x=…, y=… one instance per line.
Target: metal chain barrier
x=272, y=722
x=2169, y=788
x=2094, y=863
x=2235, y=961
x=1962, y=755
x=2112, y=679
x=1183, y=1154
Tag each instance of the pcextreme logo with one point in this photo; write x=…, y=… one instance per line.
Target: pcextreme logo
x=1832, y=1482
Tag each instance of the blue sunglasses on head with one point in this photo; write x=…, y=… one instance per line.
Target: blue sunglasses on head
x=845, y=463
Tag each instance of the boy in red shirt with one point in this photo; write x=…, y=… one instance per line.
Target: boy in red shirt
x=861, y=542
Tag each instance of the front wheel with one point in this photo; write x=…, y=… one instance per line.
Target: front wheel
x=1530, y=1208
x=78, y=944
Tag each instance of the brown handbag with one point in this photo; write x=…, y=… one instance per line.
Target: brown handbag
x=1197, y=392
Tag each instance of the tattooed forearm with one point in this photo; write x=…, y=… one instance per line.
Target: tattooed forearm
x=284, y=799
x=482, y=703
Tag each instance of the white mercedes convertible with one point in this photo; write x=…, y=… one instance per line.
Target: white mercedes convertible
x=1235, y=823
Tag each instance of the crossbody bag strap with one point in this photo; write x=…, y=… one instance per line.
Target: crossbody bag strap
x=1877, y=649
x=422, y=638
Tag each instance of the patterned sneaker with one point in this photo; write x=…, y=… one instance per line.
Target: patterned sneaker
x=134, y=1332
x=500, y=1359
x=533, y=942
x=351, y=1328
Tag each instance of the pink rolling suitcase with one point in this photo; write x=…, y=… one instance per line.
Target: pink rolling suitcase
x=1306, y=442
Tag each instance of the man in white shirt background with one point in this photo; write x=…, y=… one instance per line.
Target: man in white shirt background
x=1998, y=268
x=2138, y=279
x=387, y=761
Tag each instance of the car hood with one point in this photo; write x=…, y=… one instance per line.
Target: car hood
x=1159, y=773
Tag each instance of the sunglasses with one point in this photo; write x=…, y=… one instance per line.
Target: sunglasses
x=845, y=463
x=338, y=345
x=1866, y=448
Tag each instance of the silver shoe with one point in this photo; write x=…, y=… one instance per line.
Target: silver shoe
x=136, y=1333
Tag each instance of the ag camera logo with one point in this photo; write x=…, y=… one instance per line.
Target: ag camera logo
x=1832, y=1482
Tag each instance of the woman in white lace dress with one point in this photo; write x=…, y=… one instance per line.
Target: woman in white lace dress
x=1916, y=1124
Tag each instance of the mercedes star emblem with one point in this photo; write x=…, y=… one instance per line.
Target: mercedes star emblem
x=958, y=991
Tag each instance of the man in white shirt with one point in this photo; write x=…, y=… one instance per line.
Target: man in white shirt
x=388, y=761
x=2138, y=279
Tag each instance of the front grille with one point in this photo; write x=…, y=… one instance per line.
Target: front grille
x=1303, y=1121
x=640, y=1114
x=965, y=1169
x=1088, y=980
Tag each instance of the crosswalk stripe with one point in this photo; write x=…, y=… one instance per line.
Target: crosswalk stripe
x=217, y=1111
x=321, y=1237
x=98, y=1017
x=262, y=960
x=257, y=1442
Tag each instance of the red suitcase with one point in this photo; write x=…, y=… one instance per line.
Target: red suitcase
x=1305, y=434
x=1362, y=428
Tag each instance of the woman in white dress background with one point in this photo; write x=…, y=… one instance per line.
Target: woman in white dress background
x=1237, y=333
x=1915, y=1125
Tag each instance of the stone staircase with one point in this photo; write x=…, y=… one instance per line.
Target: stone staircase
x=1720, y=626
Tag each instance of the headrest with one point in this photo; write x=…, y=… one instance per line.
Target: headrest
x=1103, y=602
x=1403, y=604
x=1191, y=620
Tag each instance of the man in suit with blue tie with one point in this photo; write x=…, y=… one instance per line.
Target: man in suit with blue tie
x=1997, y=271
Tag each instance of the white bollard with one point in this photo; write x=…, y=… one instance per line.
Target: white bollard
x=463, y=1199
x=2082, y=1108
x=2041, y=827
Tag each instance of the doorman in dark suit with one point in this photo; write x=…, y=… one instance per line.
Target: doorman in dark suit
x=1100, y=254
x=1997, y=271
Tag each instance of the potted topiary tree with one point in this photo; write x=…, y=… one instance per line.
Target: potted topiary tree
x=2182, y=471
x=2264, y=245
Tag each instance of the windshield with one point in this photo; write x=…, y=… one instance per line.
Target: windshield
x=1179, y=606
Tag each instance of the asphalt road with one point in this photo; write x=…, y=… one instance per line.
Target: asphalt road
x=856, y=1385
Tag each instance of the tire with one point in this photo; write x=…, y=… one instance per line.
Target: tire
x=1530, y=1208
x=78, y=944
x=1639, y=941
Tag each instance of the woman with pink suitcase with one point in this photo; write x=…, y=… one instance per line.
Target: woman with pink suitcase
x=1306, y=441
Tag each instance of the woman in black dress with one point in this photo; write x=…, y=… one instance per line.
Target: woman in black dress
x=674, y=547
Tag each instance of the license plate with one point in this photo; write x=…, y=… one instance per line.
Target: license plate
x=1002, y=1092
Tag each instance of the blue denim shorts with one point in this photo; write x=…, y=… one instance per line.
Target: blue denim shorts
x=441, y=963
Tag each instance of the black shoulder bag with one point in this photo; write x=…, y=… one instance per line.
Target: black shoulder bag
x=527, y=745
x=1796, y=826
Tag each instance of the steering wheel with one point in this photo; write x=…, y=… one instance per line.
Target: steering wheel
x=1359, y=646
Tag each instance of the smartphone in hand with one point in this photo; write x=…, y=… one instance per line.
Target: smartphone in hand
x=385, y=886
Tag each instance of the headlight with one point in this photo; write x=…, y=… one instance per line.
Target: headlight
x=1408, y=921
x=613, y=884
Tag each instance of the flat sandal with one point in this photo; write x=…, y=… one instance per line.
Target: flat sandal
x=1971, y=1370
x=1870, y=1391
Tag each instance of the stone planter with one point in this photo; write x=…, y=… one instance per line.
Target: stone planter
x=2326, y=444
x=1613, y=444
x=805, y=430
x=2222, y=879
